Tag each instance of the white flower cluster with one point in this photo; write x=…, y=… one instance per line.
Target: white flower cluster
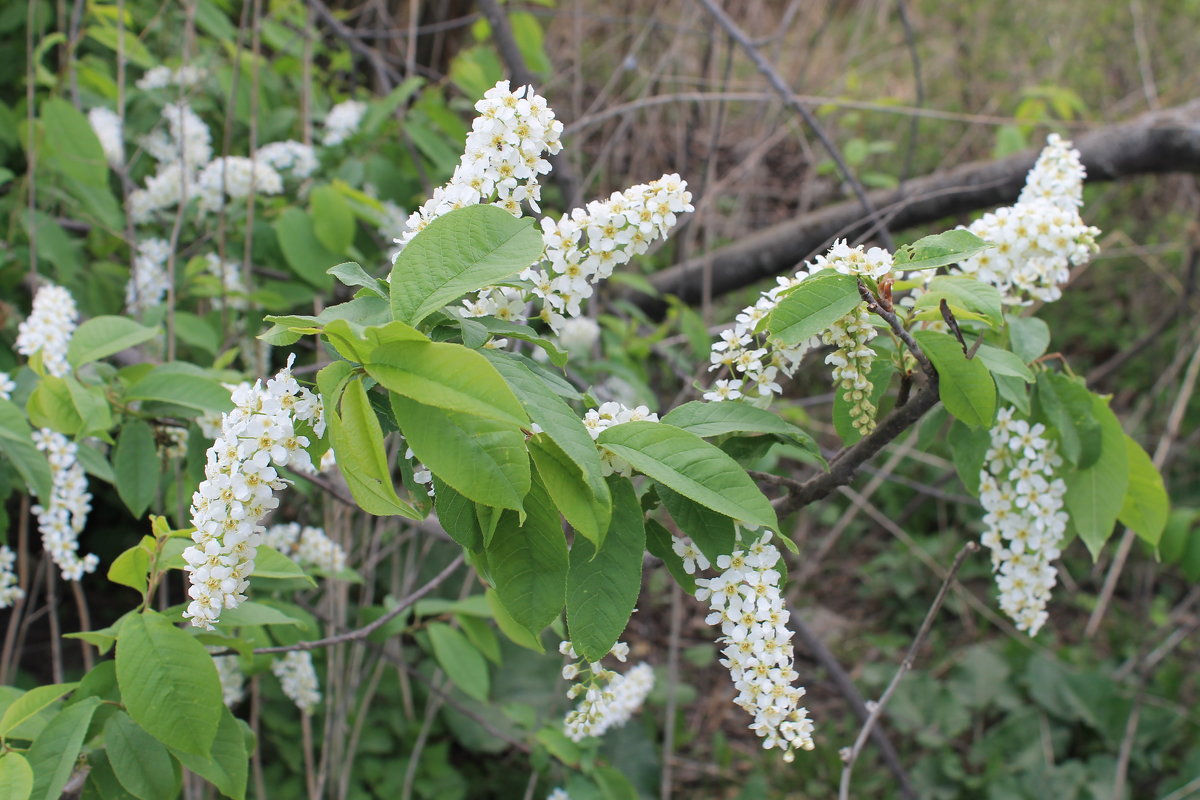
x=1042, y=236
x=852, y=364
x=308, y=545
x=229, y=273
x=558, y=793
x=7, y=386
x=172, y=442
x=298, y=678
x=106, y=124
x=502, y=158
x=63, y=516
x=48, y=328
x=691, y=556
x=578, y=335
x=598, y=420
x=180, y=151
x=163, y=77
x=236, y=177
x=755, y=360
x=233, y=680
x=1025, y=520
x=237, y=491
x=148, y=282
x=609, y=698
x=745, y=601
x=10, y=592
x=289, y=156
x=585, y=246
x=342, y=121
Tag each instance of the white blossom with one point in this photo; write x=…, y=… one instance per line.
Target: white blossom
x=62, y=516
x=307, y=544
x=236, y=177
x=7, y=386
x=148, y=282
x=162, y=77
x=106, y=124
x=233, y=680
x=598, y=420
x=296, y=158
x=342, y=121
x=745, y=602
x=298, y=678
x=48, y=328
x=852, y=364
x=10, y=592
x=610, y=698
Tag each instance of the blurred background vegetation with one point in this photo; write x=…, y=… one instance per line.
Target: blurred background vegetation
x=644, y=87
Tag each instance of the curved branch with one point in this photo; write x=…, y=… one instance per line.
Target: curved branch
x=1156, y=142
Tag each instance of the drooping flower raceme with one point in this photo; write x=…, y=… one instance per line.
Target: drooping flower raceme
x=298, y=678
x=295, y=158
x=48, y=328
x=1022, y=494
x=162, y=77
x=106, y=124
x=598, y=420
x=233, y=680
x=745, y=602
x=62, y=516
x=258, y=436
x=852, y=360
x=1040, y=238
x=7, y=385
x=342, y=121
x=236, y=177
x=306, y=544
x=610, y=699
x=148, y=283
x=10, y=592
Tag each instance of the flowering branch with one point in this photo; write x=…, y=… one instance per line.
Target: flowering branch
x=905, y=665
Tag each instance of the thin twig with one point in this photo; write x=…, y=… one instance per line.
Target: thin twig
x=785, y=92
x=905, y=665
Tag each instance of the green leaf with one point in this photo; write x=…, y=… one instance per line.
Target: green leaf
x=174, y=383
x=131, y=567
x=603, y=585
x=51, y=406
x=270, y=563
x=484, y=459
x=1065, y=405
x=1146, y=505
x=102, y=783
x=457, y=515
x=460, y=252
x=16, y=444
x=30, y=704
x=691, y=466
x=379, y=110
x=1003, y=362
x=659, y=543
x=962, y=293
x=305, y=254
x=16, y=777
x=715, y=419
x=968, y=448
x=351, y=274
x=810, y=308
x=587, y=511
x=713, y=533
x=1095, y=495
x=517, y=633
x=529, y=562
x=168, y=683
x=332, y=219
x=357, y=438
x=965, y=386
x=448, y=376
x=72, y=149
x=252, y=613
x=1028, y=336
x=140, y=762
x=1013, y=392
x=101, y=337
x=939, y=250
x=91, y=404
x=225, y=766
x=54, y=752
x=136, y=466
x=459, y=659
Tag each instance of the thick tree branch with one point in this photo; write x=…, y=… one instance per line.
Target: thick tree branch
x=1156, y=142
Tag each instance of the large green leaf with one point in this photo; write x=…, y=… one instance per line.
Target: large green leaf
x=72, y=149
x=713, y=533
x=168, y=683
x=965, y=385
x=1146, y=506
x=183, y=386
x=529, y=562
x=140, y=762
x=460, y=660
x=16, y=777
x=304, y=253
x=603, y=585
x=1004, y=362
x=16, y=444
x=483, y=458
x=31, y=704
x=136, y=466
x=659, y=544
x=964, y=294
x=101, y=337
x=1028, y=337
x=587, y=510
x=54, y=752
x=691, y=466
x=332, y=219
x=516, y=632
x=939, y=250
x=715, y=419
x=819, y=301
x=457, y=515
x=1095, y=495
x=1065, y=405
x=357, y=440
x=458, y=253
x=446, y=375
x=225, y=766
